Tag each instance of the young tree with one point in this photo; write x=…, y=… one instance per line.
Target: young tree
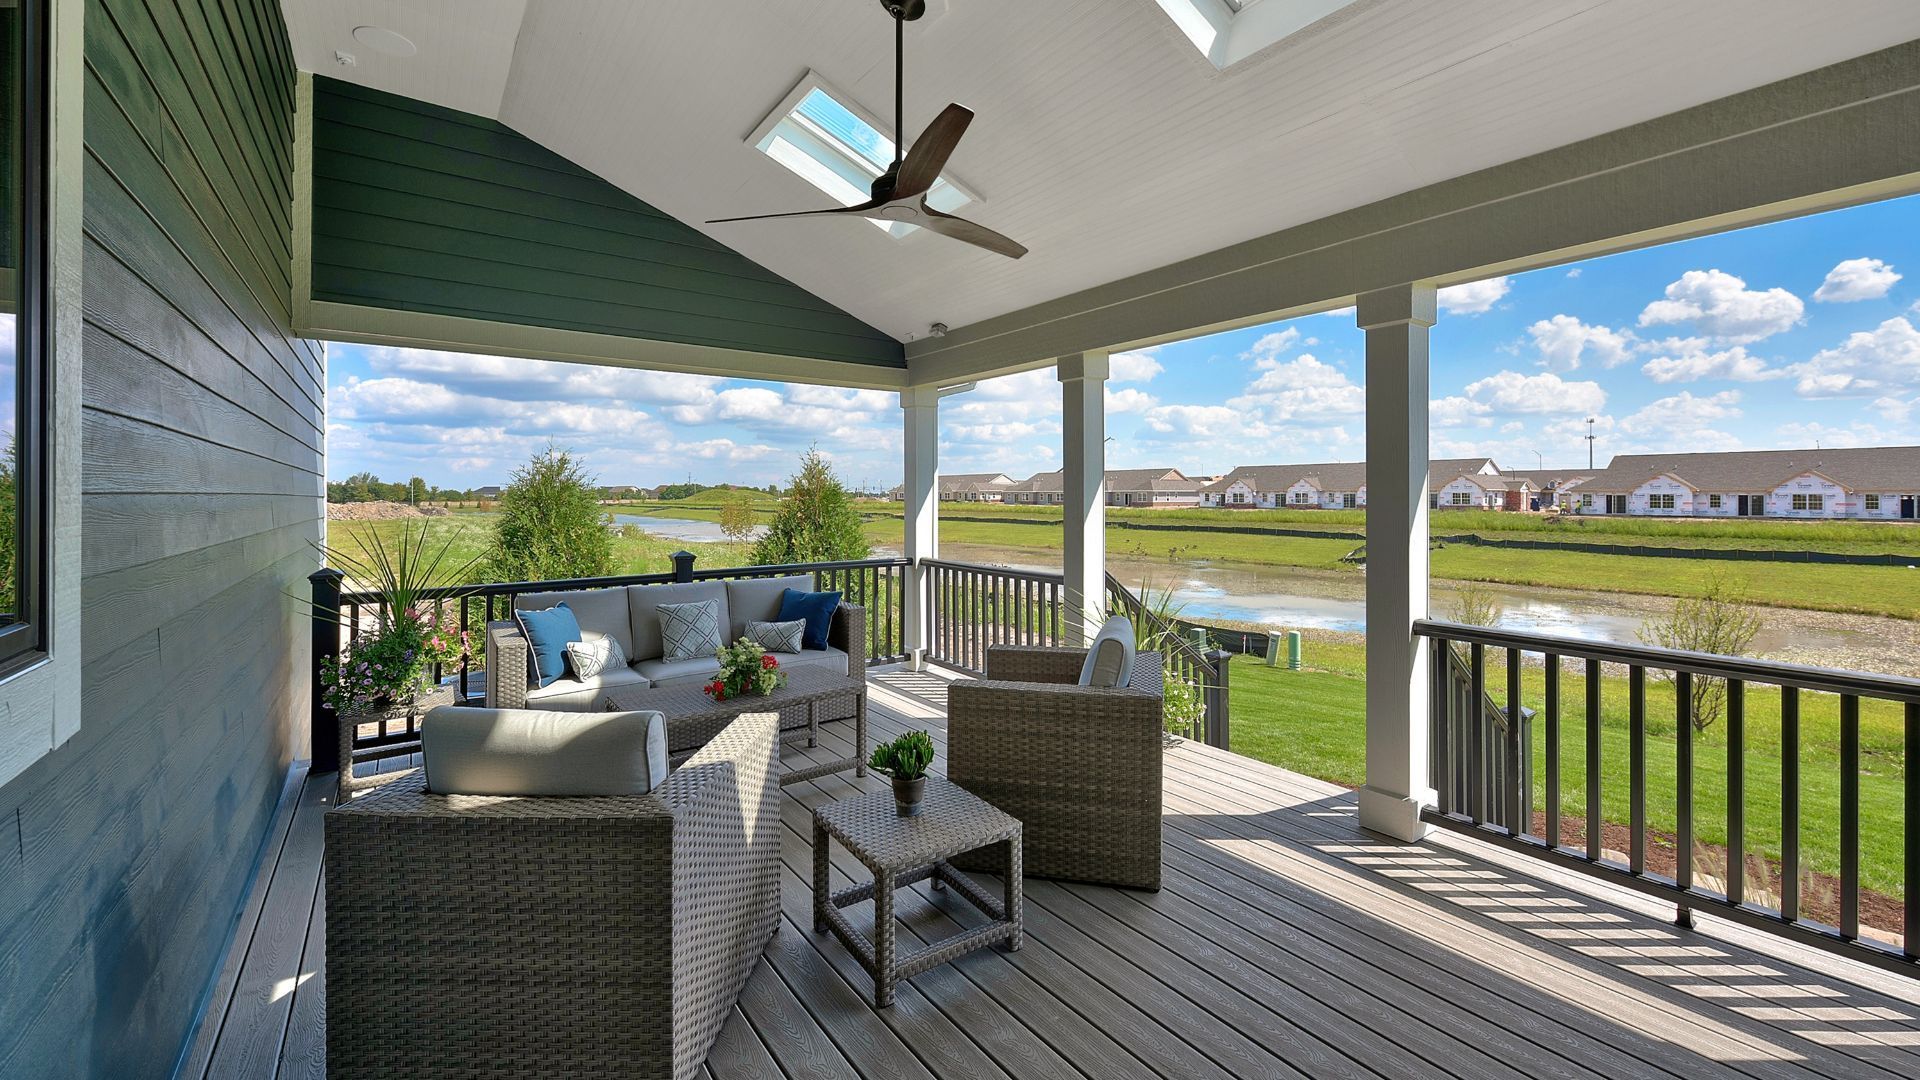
x=816, y=522
x=416, y=491
x=550, y=524
x=1476, y=604
x=1717, y=621
x=736, y=515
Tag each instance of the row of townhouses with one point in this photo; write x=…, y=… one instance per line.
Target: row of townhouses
x=1881, y=482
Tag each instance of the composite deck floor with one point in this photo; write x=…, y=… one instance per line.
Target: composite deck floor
x=1285, y=943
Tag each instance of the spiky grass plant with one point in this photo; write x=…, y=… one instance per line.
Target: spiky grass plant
x=905, y=758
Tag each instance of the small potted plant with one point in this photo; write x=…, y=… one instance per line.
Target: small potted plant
x=745, y=668
x=905, y=759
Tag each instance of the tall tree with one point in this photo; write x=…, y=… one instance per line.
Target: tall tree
x=416, y=491
x=815, y=522
x=550, y=524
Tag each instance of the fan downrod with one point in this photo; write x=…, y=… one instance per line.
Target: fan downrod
x=905, y=10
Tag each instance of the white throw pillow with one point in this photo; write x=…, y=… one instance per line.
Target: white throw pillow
x=1110, y=656
x=689, y=631
x=777, y=636
x=469, y=751
x=591, y=657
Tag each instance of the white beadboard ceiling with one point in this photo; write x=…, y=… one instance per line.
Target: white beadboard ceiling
x=1103, y=140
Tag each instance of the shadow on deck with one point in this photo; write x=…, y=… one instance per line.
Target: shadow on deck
x=1286, y=943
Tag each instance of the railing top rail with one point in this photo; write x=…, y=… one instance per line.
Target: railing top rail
x=514, y=588
x=1747, y=669
x=1001, y=571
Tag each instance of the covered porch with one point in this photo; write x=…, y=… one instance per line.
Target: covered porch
x=1286, y=941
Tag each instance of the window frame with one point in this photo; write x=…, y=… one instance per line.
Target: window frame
x=1713, y=502
x=1872, y=503
x=27, y=641
x=847, y=163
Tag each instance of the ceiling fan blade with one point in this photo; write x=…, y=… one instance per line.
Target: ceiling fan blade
x=929, y=153
x=856, y=208
x=962, y=229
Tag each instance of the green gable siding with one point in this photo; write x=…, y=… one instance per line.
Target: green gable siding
x=129, y=849
x=420, y=208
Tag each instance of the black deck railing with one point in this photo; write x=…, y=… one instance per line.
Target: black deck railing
x=1482, y=772
x=877, y=585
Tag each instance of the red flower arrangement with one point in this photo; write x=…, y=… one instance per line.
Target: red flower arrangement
x=745, y=668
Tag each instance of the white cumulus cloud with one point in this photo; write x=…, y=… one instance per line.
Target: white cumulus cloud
x=1869, y=361
x=1510, y=392
x=1856, y=279
x=1722, y=306
x=1474, y=297
x=1565, y=343
x=1691, y=359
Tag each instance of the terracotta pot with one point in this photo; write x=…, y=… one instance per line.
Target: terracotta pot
x=907, y=795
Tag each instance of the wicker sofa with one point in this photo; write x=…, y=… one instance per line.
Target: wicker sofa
x=629, y=614
x=1079, y=766
x=488, y=936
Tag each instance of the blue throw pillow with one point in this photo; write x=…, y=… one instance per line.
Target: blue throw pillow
x=548, y=633
x=816, y=608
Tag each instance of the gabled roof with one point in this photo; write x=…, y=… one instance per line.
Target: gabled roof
x=1327, y=476
x=1437, y=481
x=1542, y=479
x=1885, y=469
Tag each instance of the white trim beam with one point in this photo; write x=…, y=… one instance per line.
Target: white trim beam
x=1398, y=679
x=920, y=496
x=1083, y=437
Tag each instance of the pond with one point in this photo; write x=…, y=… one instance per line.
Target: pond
x=688, y=529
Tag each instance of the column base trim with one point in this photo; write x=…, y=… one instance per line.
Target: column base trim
x=1393, y=815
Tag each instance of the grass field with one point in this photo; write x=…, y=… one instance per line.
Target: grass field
x=634, y=552
x=1313, y=722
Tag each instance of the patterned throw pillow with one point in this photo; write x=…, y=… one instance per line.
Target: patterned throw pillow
x=689, y=631
x=777, y=636
x=590, y=658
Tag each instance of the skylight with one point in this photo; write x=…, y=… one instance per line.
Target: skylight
x=839, y=150
x=1226, y=31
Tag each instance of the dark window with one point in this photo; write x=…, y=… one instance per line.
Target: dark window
x=24, y=418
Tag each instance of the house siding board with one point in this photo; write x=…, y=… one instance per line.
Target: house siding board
x=202, y=479
x=420, y=208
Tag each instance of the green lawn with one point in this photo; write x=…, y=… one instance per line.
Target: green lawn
x=634, y=552
x=1313, y=722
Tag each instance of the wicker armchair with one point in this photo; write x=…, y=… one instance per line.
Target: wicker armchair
x=1079, y=766
x=476, y=936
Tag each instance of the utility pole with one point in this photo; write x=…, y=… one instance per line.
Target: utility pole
x=1590, y=438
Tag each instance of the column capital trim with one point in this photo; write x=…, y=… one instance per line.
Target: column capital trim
x=1414, y=304
x=1083, y=367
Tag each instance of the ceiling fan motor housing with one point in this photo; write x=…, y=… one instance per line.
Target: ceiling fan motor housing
x=905, y=10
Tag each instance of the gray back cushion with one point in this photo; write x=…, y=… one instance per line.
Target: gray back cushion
x=643, y=602
x=758, y=600
x=470, y=751
x=1110, y=656
x=601, y=612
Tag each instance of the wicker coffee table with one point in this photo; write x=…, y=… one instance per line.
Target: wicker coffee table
x=903, y=850
x=693, y=718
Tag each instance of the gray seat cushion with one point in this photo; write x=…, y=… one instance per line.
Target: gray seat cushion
x=758, y=600
x=600, y=612
x=668, y=672
x=830, y=658
x=582, y=695
x=469, y=751
x=643, y=602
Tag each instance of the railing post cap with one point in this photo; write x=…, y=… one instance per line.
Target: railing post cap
x=683, y=555
x=324, y=574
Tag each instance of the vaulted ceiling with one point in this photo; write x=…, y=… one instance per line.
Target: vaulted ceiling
x=1103, y=140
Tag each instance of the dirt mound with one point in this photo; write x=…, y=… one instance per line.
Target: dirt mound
x=381, y=511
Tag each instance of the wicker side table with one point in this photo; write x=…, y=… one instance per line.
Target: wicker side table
x=903, y=850
x=408, y=714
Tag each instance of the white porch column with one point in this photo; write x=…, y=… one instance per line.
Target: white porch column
x=1083, y=437
x=920, y=493
x=1396, y=322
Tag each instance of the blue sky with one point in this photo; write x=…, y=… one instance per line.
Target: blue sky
x=1786, y=335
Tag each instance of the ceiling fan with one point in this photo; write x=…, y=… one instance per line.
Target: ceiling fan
x=900, y=193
